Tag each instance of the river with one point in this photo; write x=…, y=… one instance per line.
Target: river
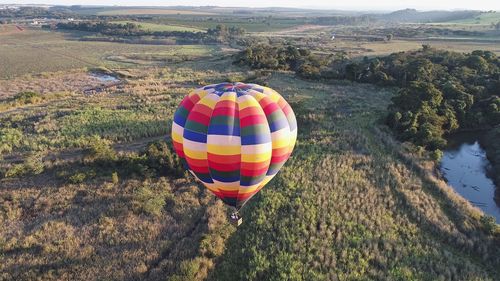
x=465, y=167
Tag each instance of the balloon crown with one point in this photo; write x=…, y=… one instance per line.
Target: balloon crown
x=238, y=87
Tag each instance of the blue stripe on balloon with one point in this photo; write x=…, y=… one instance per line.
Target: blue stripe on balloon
x=252, y=181
x=214, y=129
x=179, y=119
x=194, y=136
x=204, y=177
x=225, y=178
x=255, y=139
x=278, y=124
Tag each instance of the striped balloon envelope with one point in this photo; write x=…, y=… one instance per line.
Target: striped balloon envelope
x=234, y=138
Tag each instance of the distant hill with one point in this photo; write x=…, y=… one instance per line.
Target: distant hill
x=412, y=15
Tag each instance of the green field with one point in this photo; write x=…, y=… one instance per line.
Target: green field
x=35, y=51
x=486, y=18
x=161, y=27
x=257, y=24
x=146, y=11
x=348, y=205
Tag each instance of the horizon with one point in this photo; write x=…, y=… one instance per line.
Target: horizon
x=355, y=5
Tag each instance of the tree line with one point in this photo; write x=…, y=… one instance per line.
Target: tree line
x=441, y=91
x=218, y=34
x=282, y=57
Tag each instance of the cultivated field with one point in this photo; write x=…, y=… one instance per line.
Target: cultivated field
x=152, y=11
x=483, y=19
x=161, y=27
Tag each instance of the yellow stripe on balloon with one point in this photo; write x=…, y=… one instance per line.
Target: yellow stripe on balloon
x=223, y=149
x=228, y=96
x=194, y=154
x=254, y=158
x=227, y=186
x=177, y=137
x=249, y=189
x=247, y=101
x=209, y=100
x=279, y=143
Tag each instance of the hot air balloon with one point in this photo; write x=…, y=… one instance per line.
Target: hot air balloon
x=234, y=138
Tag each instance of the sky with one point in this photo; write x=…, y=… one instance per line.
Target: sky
x=322, y=4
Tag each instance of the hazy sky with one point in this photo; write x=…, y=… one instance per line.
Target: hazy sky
x=345, y=4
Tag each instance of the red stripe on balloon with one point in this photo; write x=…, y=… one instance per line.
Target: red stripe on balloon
x=223, y=167
x=255, y=165
x=270, y=108
x=253, y=120
x=279, y=159
x=224, y=158
x=223, y=111
x=253, y=172
x=197, y=169
x=249, y=111
x=199, y=117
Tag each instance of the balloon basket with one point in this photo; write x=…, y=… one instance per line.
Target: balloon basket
x=235, y=219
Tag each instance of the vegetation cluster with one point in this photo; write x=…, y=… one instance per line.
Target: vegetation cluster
x=282, y=57
x=441, y=91
x=218, y=34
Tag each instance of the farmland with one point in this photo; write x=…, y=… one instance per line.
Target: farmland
x=161, y=27
x=35, y=51
x=483, y=19
x=90, y=188
x=145, y=11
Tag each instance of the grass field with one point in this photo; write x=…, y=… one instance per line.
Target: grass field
x=91, y=189
x=250, y=24
x=35, y=51
x=486, y=18
x=161, y=27
x=347, y=205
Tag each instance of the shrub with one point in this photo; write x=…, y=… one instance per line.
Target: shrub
x=149, y=200
x=188, y=270
x=489, y=224
x=114, y=178
x=77, y=178
x=437, y=154
x=33, y=165
x=10, y=138
x=27, y=98
x=100, y=150
x=163, y=159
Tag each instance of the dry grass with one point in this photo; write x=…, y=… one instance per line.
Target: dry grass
x=350, y=204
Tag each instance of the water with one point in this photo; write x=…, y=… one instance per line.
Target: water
x=105, y=77
x=465, y=167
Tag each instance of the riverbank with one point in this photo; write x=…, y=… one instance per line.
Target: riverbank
x=492, y=147
x=465, y=167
